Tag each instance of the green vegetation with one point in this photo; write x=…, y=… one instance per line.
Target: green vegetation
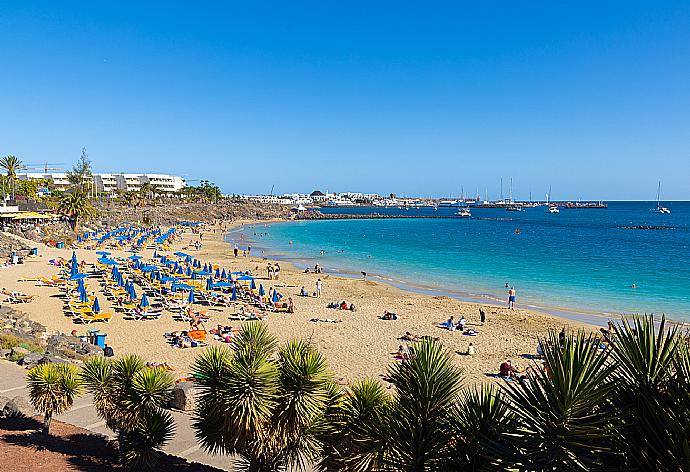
x=8, y=341
x=130, y=396
x=266, y=404
x=77, y=206
x=52, y=390
x=11, y=164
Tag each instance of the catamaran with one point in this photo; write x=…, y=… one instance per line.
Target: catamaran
x=659, y=208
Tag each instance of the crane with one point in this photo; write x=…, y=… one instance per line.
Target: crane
x=45, y=167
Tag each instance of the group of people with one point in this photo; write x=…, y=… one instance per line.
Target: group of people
x=341, y=306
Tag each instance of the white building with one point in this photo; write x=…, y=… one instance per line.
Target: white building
x=107, y=182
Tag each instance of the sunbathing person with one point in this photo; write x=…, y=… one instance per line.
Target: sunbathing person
x=388, y=315
x=449, y=325
x=343, y=305
x=410, y=337
x=506, y=369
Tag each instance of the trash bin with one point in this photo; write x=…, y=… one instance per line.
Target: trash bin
x=100, y=340
x=33, y=251
x=60, y=245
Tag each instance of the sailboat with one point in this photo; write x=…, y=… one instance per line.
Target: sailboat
x=552, y=208
x=512, y=206
x=659, y=208
x=464, y=210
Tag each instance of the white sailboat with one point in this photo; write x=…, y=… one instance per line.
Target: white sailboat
x=659, y=208
x=552, y=208
x=464, y=210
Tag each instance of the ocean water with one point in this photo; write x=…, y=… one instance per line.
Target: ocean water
x=576, y=261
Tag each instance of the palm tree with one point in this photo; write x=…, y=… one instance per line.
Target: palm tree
x=11, y=164
x=562, y=419
x=129, y=396
x=653, y=394
x=52, y=390
x=266, y=405
x=76, y=205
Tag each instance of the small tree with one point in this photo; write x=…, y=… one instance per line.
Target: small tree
x=129, y=396
x=81, y=174
x=11, y=164
x=52, y=390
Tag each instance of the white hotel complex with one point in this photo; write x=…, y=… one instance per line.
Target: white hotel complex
x=110, y=182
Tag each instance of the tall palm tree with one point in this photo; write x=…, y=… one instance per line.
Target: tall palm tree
x=76, y=205
x=11, y=164
x=653, y=394
x=562, y=419
x=52, y=390
x=129, y=396
x=263, y=403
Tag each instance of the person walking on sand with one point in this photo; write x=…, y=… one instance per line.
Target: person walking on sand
x=319, y=286
x=511, y=298
x=482, y=315
x=236, y=249
x=276, y=271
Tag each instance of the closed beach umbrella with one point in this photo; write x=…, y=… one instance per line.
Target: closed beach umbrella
x=83, y=296
x=96, y=308
x=223, y=275
x=261, y=290
x=233, y=297
x=253, y=285
x=276, y=296
x=190, y=298
x=74, y=257
x=217, y=272
x=209, y=283
x=80, y=285
x=132, y=292
x=188, y=272
x=155, y=254
x=144, y=301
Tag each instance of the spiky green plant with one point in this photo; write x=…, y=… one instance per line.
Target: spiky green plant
x=77, y=206
x=265, y=406
x=129, y=396
x=652, y=394
x=478, y=419
x=53, y=389
x=356, y=440
x=426, y=386
x=562, y=419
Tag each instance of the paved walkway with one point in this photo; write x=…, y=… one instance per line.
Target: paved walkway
x=83, y=414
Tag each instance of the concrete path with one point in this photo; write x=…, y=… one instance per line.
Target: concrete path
x=83, y=414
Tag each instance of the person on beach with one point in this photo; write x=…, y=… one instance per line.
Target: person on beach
x=269, y=271
x=249, y=250
x=291, y=306
x=276, y=271
x=303, y=292
x=236, y=249
x=319, y=286
x=482, y=315
x=470, y=350
x=506, y=369
x=511, y=298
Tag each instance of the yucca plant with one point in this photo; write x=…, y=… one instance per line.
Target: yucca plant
x=425, y=389
x=355, y=439
x=265, y=405
x=562, y=417
x=652, y=394
x=53, y=389
x=129, y=396
x=480, y=418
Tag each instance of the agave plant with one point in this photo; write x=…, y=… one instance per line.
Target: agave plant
x=264, y=405
x=653, y=394
x=561, y=410
x=53, y=389
x=129, y=396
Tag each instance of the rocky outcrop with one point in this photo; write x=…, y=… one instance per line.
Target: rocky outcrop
x=183, y=397
x=18, y=407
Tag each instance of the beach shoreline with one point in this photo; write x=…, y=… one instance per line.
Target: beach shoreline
x=356, y=344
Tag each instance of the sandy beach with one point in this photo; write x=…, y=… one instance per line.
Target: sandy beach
x=359, y=345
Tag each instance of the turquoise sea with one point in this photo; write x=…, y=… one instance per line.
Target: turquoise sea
x=578, y=262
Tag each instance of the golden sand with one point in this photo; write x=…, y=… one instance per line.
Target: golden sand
x=362, y=345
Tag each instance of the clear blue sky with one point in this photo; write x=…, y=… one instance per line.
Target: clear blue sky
x=592, y=97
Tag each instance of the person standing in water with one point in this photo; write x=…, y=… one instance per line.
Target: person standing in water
x=511, y=298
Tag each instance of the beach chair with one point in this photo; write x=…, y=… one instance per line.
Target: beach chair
x=88, y=318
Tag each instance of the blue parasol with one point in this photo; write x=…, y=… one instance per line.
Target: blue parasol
x=83, y=296
x=261, y=290
x=253, y=285
x=209, y=283
x=144, y=301
x=233, y=297
x=190, y=298
x=96, y=308
x=276, y=296
x=223, y=275
x=218, y=272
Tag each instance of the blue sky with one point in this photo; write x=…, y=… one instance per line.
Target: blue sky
x=412, y=98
